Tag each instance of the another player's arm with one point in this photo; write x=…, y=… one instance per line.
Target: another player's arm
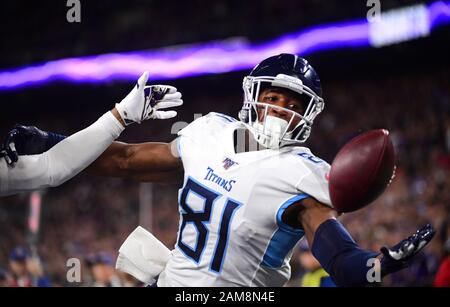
x=149, y=162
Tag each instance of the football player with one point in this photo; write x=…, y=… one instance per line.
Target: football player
x=243, y=207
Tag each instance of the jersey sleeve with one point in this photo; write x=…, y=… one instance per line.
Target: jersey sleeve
x=205, y=125
x=313, y=178
x=201, y=136
x=194, y=129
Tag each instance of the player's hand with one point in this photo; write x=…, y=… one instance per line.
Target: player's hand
x=145, y=102
x=22, y=140
x=27, y=140
x=399, y=256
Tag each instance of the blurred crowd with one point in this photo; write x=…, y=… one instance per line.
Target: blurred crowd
x=88, y=218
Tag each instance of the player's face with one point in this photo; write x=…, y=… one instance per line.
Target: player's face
x=281, y=98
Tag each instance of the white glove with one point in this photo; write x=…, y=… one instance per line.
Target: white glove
x=144, y=102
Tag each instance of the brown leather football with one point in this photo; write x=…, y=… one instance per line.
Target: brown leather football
x=361, y=170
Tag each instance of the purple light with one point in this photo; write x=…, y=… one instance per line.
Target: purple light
x=439, y=13
x=200, y=59
x=220, y=57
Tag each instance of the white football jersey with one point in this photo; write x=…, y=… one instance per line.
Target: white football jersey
x=231, y=232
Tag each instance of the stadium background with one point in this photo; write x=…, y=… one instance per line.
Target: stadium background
x=404, y=88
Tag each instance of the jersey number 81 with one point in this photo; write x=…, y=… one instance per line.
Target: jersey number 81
x=200, y=218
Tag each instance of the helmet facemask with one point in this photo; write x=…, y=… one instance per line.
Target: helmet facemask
x=272, y=131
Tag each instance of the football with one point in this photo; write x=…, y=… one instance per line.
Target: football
x=361, y=170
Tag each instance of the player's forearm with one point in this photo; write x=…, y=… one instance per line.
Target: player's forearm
x=150, y=161
x=340, y=256
x=61, y=162
x=333, y=246
x=111, y=162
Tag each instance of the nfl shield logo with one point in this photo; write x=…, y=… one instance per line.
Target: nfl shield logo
x=227, y=163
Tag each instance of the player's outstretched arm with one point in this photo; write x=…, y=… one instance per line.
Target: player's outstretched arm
x=339, y=254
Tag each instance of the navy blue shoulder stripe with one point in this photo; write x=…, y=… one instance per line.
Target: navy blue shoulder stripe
x=226, y=117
